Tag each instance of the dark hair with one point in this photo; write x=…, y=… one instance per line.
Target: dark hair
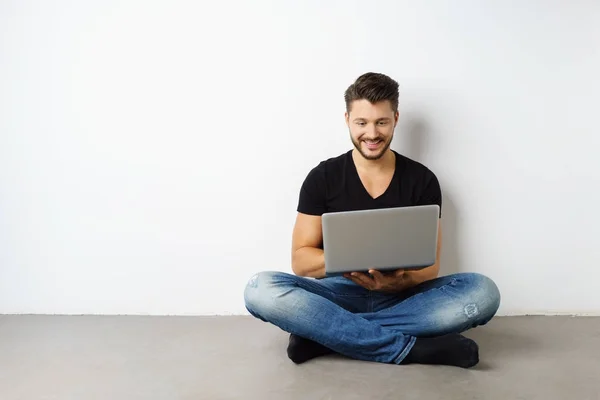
x=373, y=87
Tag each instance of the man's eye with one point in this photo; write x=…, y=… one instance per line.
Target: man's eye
x=360, y=124
x=382, y=122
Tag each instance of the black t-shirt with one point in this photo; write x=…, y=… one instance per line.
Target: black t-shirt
x=334, y=185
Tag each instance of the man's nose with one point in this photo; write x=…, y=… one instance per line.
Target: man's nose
x=371, y=131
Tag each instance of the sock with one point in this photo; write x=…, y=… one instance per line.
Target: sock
x=300, y=349
x=452, y=349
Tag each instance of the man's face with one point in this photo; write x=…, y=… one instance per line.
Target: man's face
x=371, y=127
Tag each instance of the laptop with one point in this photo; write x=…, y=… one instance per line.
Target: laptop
x=383, y=239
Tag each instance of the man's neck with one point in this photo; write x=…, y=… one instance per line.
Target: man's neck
x=387, y=161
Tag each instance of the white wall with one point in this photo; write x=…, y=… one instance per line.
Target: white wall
x=147, y=159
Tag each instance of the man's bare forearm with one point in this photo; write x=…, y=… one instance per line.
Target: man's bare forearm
x=309, y=262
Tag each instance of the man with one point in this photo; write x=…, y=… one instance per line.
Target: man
x=403, y=317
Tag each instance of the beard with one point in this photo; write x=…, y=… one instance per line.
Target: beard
x=372, y=155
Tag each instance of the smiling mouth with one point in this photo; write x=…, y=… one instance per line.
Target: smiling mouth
x=373, y=144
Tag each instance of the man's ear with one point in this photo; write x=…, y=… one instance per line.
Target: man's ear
x=347, y=118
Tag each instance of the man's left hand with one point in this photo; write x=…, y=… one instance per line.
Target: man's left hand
x=391, y=282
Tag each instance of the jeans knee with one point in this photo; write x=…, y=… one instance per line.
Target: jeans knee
x=483, y=297
x=472, y=300
x=260, y=293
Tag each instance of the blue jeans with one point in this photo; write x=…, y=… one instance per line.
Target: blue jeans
x=368, y=325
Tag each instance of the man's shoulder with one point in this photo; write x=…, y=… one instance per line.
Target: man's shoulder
x=332, y=165
x=335, y=161
x=320, y=180
x=413, y=167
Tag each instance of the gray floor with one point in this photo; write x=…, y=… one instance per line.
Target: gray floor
x=48, y=357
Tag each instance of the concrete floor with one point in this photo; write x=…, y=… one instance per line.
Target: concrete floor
x=87, y=358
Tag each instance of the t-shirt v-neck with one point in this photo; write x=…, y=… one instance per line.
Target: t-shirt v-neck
x=353, y=171
x=334, y=185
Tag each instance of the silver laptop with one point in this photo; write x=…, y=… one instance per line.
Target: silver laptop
x=382, y=239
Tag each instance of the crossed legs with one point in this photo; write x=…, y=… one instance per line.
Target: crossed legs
x=337, y=314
